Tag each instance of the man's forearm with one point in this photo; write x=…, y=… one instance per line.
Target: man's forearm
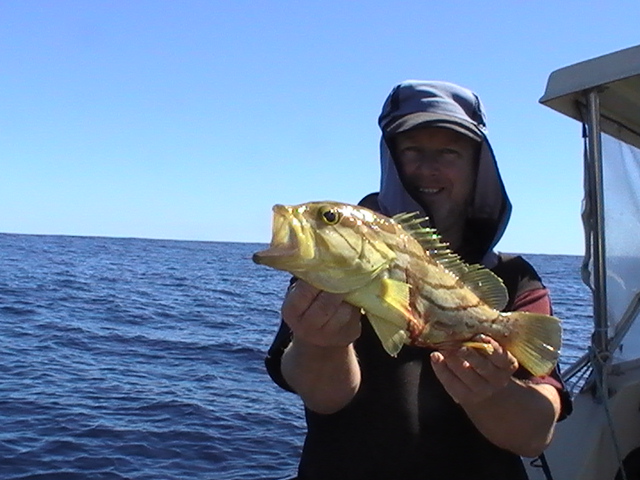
x=326, y=378
x=520, y=418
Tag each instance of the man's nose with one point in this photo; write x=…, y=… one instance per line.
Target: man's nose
x=429, y=164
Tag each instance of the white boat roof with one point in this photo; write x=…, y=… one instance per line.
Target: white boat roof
x=616, y=76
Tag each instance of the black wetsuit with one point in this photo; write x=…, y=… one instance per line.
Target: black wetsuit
x=402, y=424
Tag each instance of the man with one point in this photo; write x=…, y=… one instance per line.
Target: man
x=455, y=414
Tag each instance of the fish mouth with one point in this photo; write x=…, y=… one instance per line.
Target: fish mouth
x=288, y=245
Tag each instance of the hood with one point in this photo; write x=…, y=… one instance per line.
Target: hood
x=430, y=103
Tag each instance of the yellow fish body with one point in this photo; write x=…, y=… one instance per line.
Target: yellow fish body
x=413, y=289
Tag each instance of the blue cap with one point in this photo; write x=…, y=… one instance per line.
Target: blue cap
x=414, y=104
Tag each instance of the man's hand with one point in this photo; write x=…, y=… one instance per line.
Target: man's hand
x=320, y=318
x=515, y=415
x=320, y=364
x=470, y=375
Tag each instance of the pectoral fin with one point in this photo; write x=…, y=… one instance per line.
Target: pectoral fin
x=389, y=313
x=396, y=294
x=387, y=299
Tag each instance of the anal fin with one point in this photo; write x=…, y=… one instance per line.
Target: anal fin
x=485, y=347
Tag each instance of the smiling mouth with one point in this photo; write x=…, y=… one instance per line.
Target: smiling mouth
x=430, y=191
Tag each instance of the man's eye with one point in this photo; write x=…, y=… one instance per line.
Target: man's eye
x=411, y=151
x=449, y=151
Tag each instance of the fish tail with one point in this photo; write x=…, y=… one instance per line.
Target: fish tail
x=535, y=340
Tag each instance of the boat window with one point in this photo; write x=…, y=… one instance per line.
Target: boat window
x=621, y=176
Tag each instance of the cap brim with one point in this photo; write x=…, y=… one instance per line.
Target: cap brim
x=424, y=119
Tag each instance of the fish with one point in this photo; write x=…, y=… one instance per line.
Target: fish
x=412, y=287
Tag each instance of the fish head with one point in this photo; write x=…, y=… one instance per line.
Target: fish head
x=335, y=247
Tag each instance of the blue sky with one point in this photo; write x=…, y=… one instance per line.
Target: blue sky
x=190, y=119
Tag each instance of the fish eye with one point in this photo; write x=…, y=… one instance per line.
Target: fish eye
x=330, y=216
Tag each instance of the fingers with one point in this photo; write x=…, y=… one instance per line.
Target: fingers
x=305, y=303
x=299, y=298
x=457, y=388
x=470, y=374
x=320, y=317
x=500, y=358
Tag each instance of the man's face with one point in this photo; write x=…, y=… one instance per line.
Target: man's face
x=438, y=168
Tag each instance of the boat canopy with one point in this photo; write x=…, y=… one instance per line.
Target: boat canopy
x=604, y=94
x=616, y=78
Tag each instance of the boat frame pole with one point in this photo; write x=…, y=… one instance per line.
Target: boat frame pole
x=600, y=340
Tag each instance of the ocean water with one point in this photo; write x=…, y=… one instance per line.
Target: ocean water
x=143, y=359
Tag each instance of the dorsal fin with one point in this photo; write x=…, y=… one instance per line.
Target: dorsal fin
x=481, y=281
